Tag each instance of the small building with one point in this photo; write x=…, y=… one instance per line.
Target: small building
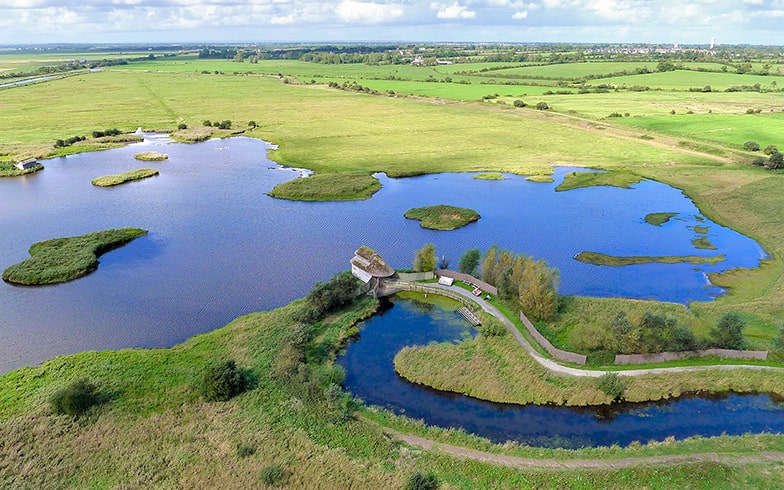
x=368, y=266
x=26, y=163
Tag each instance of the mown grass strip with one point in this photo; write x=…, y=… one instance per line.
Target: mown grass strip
x=113, y=180
x=597, y=258
x=65, y=259
x=442, y=216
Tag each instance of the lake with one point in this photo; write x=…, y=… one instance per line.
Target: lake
x=370, y=375
x=219, y=247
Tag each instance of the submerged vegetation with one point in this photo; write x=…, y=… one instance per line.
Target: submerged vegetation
x=442, y=216
x=328, y=187
x=113, y=180
x=597, y=258
x=65, y=259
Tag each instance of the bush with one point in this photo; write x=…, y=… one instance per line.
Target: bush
x=770, y=150
x=542, y=106
x=252, y=124
x=519, y=103
x=245, y=450
x=418, y=481
x=612, y=385
x=751, y=146
x=182, y=126
x=728, y=333
x=273, y=475
x=222, y=381
x=76, y=398
x=776, y=161
x=226, y=124
x=207, y=123
x=759, y=162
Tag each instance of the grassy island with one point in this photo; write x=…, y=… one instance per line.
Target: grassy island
x=442, y=216
x=328, y=187
x=577, y=180
x=703, y=243
x=151, y=156
x=65, y=259
x=112, y=180
x=616, y=261
x=490, y=176
x=545, y=179
x=658, y=219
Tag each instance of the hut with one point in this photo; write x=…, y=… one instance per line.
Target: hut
x=26, y=163
x=368, y=266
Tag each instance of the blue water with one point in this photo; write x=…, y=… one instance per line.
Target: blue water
x=370, y=375
x=219, y=247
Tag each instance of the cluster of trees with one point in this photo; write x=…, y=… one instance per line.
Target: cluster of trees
x=225, y=124
x=532, y=284
x=775, y=160
x=106, y=132
x=339, y=291
x=69, y=141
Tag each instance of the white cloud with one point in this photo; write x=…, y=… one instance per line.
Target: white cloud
x=351, y=11
x=454, y=11
x=520, y=15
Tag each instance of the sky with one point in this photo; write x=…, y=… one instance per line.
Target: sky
x=585, y=21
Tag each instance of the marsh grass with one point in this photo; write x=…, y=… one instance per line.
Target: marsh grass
x=577, y=180
x=540, y=178
x=130, y=176
x=8, y=169
x=328, y=187
x=442, y=216
x=597, y=258
x=151, y=156
x=65, y=259
x=658, y=219
x=489, y=176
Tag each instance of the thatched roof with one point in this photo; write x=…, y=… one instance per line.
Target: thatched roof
x=370, y=262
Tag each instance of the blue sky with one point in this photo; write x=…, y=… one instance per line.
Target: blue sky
x=611, y=21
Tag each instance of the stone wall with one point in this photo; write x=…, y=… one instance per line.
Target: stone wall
x=557, y=353
x=624, y=359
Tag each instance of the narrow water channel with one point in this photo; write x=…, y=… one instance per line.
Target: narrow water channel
x=370, y=375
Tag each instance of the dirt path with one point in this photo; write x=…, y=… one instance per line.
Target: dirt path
x=517, y=462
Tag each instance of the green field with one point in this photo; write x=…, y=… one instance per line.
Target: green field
x=685, y=79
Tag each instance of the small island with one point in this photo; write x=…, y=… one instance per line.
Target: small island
x=490, y=176
x=545, y=179
x=23, y=167
x=442, y=217
x=113, y=180
x=328, y=187
x=65, y=259
x=702, y=242
x=596, y=258
x=151, y=156
x=658, y=219
x=612, y=178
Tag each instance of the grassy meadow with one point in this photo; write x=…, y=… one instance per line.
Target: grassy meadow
x=155, y=431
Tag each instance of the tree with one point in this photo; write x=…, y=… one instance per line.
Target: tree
x=751, y=146
x=776, y=161
x=770, y=150
x=728, y=333
x=469, y=261
x=488, y=264
x=425, y=258
x=538, y=290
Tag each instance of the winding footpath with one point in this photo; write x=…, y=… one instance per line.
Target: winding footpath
x=570, y=371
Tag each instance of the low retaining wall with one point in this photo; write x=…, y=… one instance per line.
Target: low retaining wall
x=557, y=353
x=623, y=359
x=415, y=276
x=489, y=288
x=424, y=288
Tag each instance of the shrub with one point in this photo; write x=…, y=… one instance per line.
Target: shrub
x=728, y=333
x=221, y=382
x=273, y=475
x=182, y=126
x=207, y=123
x=751, y=146
x=245, y=450
x=519, y=103
x=776, y=161
x=418, y=481
x=759, y=162
x=226, y=124
x=770, y=149
x=542, y=106
x=252, y=124
x=612, y=385
x=75, y=398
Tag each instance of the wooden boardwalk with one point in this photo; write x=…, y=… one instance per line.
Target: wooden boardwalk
x=469, y=315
